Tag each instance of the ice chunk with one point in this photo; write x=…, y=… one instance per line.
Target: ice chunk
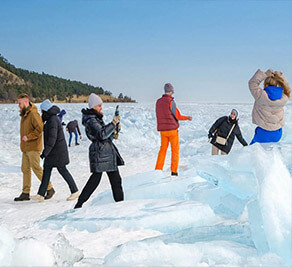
x=221, y=201
x=228, y=231
x=273, y=203
x=150, y=185
x=23, y=252
x=163, y=215
x=260, y=177
x=65, y=254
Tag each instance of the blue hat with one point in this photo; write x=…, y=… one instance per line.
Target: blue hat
x=46, y=105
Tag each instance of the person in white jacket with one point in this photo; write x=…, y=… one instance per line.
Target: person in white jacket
x=268, y=110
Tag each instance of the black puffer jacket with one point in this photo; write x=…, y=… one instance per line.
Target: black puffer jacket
x=103, y=154
x=55, y=146
x=223, y=125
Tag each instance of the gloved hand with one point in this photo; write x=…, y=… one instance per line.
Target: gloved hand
x=116, y=119
x=270, y=72
x=210, y=135
x=42, y=155
x=116, y=135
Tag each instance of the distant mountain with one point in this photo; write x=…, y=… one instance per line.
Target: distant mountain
x=14, y=81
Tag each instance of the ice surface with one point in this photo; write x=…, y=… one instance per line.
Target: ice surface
x=7, y=245
x=221, y=210
x=211, y=253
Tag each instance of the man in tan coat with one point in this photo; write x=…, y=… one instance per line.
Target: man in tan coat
x=31, y=129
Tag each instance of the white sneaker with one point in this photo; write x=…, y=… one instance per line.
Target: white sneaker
x=73, y=196
x=39, y=198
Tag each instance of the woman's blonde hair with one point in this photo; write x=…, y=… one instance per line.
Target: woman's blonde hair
x=277, y=80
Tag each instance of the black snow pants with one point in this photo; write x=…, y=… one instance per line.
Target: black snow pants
x=94, y=180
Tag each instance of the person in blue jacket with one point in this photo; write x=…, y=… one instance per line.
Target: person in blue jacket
x=61, y=115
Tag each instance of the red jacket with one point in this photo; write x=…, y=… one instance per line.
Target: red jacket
x=167, y=114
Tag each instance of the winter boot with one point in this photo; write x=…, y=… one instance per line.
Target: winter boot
x=22, y=197
x=77, y=144
x=73, y=196
x=78, y=205
x=39, y=198
x=50, y=193
x=174, y=174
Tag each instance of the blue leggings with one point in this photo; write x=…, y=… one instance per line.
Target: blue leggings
x=76, y=137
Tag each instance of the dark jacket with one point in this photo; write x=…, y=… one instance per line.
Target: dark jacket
x=165, y=118
x=55, y=146
x=223, y=125
x=72, y=126
x=103, y=154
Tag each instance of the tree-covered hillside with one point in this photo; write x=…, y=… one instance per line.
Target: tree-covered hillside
x=14, y=81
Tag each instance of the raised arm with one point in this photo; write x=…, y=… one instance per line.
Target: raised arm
x=255, y=81
x=101, y=132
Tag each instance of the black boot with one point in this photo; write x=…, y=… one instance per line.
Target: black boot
x=77, y=144
x=50, y=193
x=78, y=205
x=174, y=174
x=22, y=197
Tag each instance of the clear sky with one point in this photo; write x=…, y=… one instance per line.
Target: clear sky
x=208, y=50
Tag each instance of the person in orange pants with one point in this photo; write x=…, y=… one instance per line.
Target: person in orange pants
x=167, y=116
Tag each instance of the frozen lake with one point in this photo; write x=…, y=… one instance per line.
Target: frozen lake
x=220, y=210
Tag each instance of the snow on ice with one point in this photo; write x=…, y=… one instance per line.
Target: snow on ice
x=220, y=210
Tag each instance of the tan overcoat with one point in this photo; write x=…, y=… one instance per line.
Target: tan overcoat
x=31, y=126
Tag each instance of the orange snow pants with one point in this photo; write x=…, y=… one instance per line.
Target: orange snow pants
x=166, y=137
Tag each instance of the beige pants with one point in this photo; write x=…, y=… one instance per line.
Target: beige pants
x=31, y=160
x=215, y=151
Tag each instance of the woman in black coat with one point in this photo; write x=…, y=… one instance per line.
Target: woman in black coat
x=103, y=154
x=222, y=128
x=55, y=151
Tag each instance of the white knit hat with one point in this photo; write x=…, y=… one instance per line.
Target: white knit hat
x=46, y=105
x=94, y=100
x=235, y=112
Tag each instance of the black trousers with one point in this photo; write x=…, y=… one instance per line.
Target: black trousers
x=94, y=180
x=65, y=174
